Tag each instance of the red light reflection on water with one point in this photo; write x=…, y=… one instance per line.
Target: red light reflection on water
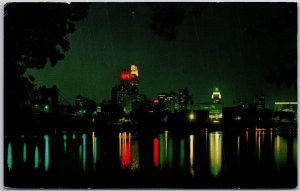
x=156, y=152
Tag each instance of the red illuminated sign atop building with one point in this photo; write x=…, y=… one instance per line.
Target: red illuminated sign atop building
x=125, y=76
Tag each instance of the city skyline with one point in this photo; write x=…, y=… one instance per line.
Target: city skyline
x=224, y=45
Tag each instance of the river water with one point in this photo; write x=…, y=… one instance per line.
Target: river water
x=257, y=158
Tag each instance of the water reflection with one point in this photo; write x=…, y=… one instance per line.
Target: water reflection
x=24, y=152
x=280, y=152
x=163, y=150
x=84, y=152
x=128, y=151
x=295, y=152
x=94, y=142
x=65, y=142
x=182, y=153
x=215, y=148
x=36, y=157
x=156, y=152
x=9, y=157
x=192, y=171
x=259, y=141
x=46, y=164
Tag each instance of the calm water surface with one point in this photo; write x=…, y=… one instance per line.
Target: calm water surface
x=208, y=159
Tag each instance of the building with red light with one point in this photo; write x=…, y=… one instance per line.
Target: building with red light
x=126, y=93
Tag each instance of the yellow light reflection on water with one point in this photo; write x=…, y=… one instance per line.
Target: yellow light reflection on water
x=280, y=152
x=215, y=146
x=128, y=151
x=192, y=171
x=238, y=146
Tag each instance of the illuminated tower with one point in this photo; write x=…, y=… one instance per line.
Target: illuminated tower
x=215, y=111
x=121, y=94
x=134, y=82
x=216, y=96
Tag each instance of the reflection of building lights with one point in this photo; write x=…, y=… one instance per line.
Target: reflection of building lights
x=9, y=157
x=156, y=152
x=84, y=151
x=192, y=155
x=24, y=153
x=36, y=157
x=182, y=153
x=46, y=164
x=215, y=147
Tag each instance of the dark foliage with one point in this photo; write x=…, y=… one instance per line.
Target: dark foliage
x=166, y=17
x=34, y=34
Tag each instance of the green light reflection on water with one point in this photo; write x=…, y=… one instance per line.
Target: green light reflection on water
x=46, y=164
x=182, y=153
x=161, y=151
x=170, y=152
x=84, y=152
x=9, y=157
x=94, y=151
x=65, y=142
x=36, y=157
x=24, y=152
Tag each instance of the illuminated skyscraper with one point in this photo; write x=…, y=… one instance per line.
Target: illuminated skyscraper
x=121, y=94
x=126, y=94
x=134, y=82
x=216, y=96
x=215, y=112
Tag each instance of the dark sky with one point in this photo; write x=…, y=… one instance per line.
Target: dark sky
x=211, y=49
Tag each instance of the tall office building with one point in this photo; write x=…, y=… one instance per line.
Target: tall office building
x=169, y=101
x=183, y=98
x=215, y=111
x=134, y=82
x=126, y=93
x=260, y=103
x=216, y=96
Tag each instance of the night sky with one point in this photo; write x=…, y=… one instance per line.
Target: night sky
x=211, y=49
